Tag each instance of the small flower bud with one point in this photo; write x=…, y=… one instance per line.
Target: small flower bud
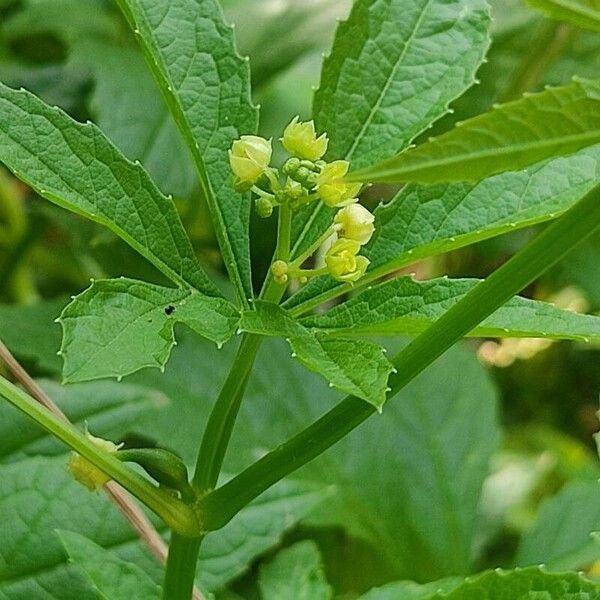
x=356, y=223
x=84, y=471
x=249, y=157
x=343, y=263
x=332, y=189
x=279, y=270
x=300, y=139
x=264, y=208
x=291, y=166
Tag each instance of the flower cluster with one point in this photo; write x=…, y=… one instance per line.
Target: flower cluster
x=304, y=178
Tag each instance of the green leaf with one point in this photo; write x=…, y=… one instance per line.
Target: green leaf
x=38, y=495
x=404, y=306
x=76, y=167
x=351, y=366
x=409, y=590
x=523, y=584
x=191, y=53
x=394, y=68
x=582, y=13
x=561, y=536
x=37, y=339
x=424, y=221
x=133, y=115
x=118, y=326
x=111, y=577
x=105, y=407
x=512, y=136
x=408, y=480
x=296, y=572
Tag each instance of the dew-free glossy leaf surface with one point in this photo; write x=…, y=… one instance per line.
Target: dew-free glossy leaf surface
x=511, y=136
x=190, y=50
x=404, y=306
x=118, y=326
x=425, y=221
x=351, y=366
x=76, y=167
x=295, y=572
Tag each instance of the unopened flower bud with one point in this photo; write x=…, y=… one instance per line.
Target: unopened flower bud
x=84, y=471
x=343, y=262
x=264, y=208
x=300, y=139
x=291, y=166
x=332, y=189
x=279, y=270
x=249, y=157
x=356, y=223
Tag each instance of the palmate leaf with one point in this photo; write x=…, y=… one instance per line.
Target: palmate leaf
x=77, y=168
x=426, y=221
x=351, y=366
x=394, y=68
x=118, y=326
x=111, y=577
x=583, y=13
x=512, y=136
x=295, y=572
x=519, y=584
x=404, y=306
x=191, y=53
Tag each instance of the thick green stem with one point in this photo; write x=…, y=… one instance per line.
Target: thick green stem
x=178, y=583
x=174, y=513
x=549, y=247
x=222, y=417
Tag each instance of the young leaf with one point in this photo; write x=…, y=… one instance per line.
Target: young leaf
x=524, y=584
x=582, y=13
x=424, y=221
x=110, y=577
x=404, y=306
x=191, y=53
x=561, y=536
x=295, y=572
x=76, y=167
x=394, y=68
x=351, y=366
x=512, y=136
x=118, y=326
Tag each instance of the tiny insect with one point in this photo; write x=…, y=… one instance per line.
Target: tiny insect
x=169, y=310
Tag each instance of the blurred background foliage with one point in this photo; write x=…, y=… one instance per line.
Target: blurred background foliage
x=79, y=55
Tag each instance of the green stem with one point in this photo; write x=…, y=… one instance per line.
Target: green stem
x=300, y=259
x=223, y=415
x=273, y=292
x=174, y=513
x=549, y=247
x=180, y=573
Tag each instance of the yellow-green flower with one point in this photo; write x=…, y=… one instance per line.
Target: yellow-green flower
x=84, y=471
x=300, y=139
x=332, y=189
x=355, y=223
x=343, y=262
x=249, y=157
